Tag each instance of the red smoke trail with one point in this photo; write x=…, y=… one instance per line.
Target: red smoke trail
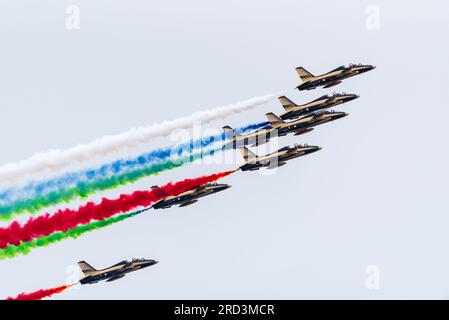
x=65, y=219
x=40, y=294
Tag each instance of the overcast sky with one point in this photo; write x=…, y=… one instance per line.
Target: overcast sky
x=373, y=199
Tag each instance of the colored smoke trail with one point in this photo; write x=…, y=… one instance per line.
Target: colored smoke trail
x=40, y=294
x=66, y=219
x=83, y=190
x=26, y=247
x=55, y=161
x=17, y=199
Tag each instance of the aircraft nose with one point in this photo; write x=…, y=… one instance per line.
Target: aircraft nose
x=352, y=97
x=339, y=115
x=314, y=149
x=151, y=262
x=224, y=187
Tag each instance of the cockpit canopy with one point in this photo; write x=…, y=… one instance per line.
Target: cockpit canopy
x=321, y=112
x=339, y=94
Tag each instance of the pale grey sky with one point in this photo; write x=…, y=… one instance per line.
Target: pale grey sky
x=375, y=195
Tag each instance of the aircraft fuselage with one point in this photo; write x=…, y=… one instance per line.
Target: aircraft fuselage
x=334, y=77
x=190, y=197
x=278, y=158
x=319, y=104
x=296, y=127
x=116, y=272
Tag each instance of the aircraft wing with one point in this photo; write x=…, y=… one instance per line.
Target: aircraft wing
x=332, y=84
x=126, y=265
x=331, y=99
x=115, y=278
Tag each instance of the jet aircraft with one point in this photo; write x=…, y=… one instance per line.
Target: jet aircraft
x=279, y=127
x=275, y=159
x=331, y=78
x=293, y=111
x=114, y=272
x=188, y=197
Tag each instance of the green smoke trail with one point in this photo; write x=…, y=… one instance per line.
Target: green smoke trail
x=26, y=247
x=85, y=189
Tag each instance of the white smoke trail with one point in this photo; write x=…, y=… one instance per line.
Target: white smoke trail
x=54, y=161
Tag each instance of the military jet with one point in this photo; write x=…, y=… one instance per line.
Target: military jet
x=321, y=116
x=331, y=78
x=255, y=138
x=278, y=127
x=188, y=197
x=293, y=111
x=275, y=159
x=113, y=273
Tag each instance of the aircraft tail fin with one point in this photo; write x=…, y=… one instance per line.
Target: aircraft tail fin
x=86, y=268
x=159, y=191
x=228, y=130
x=303, y=73
x=274, y=119
x=286, y=102
x=247, y=154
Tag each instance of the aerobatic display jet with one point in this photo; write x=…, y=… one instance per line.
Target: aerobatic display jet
x=188, y=197
x=255, y=138
x=113, y=273
x=331, y=78
x=279, y=127
x=275, y=159
x=303, y=124
x=293, y=111
x=319, y=117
